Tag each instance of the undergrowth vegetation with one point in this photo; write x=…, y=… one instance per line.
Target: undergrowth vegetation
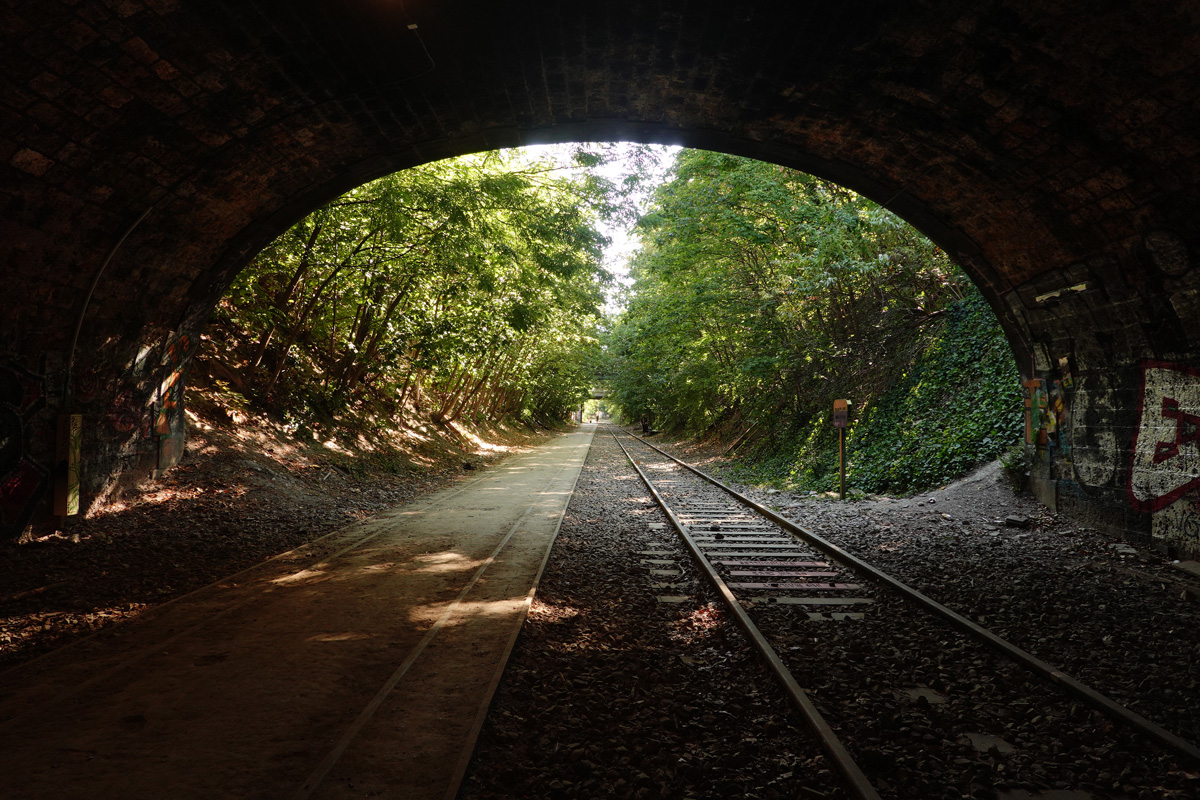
x=462, y=290
x=957, y=406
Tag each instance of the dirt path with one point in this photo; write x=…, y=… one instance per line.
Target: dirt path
x=355, y=666
x=244, y=493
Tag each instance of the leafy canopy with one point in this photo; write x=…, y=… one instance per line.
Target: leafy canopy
x=470, y=286
x=762, y=294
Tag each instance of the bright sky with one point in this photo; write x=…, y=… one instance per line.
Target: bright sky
x=624, y=243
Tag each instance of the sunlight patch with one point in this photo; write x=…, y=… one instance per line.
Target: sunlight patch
x=348, y=636
x=445, y=562
x=297, y=577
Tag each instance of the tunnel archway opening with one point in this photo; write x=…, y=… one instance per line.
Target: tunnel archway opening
x=893, y=200
x=313, y=252
x=1054, y=144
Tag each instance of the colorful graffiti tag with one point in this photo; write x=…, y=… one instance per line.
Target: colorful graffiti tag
x=1166, y=449
x=1048, y=433
x=169, y=423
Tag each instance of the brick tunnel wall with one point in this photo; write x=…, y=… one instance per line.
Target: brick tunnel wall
x=150, y=147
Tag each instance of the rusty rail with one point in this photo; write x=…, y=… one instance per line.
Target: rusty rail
x=1002, y=646
x=857, y=782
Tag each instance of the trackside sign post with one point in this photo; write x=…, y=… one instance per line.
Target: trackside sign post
x=841, y=414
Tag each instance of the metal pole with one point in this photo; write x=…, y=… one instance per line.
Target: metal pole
x=842, y=461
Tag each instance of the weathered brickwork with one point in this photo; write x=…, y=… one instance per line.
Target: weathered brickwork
x=149, y=147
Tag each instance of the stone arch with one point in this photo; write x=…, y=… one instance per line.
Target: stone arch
x=1051, y=148
x=966, y=252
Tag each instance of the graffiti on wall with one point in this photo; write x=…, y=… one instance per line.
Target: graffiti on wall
x=1048, y=423
x=1094, y=445
x=169, y=422
x=1035, y=406
x=116, y=401
x=23, y=481
x=1164, y=470
x=1166, y=449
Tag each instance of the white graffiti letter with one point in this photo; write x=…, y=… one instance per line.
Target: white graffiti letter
x=1166, y=452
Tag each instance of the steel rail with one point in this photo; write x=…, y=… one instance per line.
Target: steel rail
x=858, y=783
x=1000, y=645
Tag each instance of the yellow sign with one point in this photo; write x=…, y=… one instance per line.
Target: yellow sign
x=841, y=413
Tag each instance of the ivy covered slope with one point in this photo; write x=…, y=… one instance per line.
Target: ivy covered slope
x=465, y=289
x=957, y=406
x=761, y=294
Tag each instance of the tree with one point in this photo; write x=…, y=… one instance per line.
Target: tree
x=465, y=287
x=762, y=294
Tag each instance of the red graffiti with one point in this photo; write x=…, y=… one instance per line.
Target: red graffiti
x=1165, y=462
x=1187, y=430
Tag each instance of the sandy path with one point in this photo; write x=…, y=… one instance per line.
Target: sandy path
x=355, y=667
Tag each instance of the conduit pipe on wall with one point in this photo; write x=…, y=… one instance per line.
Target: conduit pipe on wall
x=65, y=502
x=112, y=251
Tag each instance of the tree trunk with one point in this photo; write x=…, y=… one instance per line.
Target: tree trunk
x=285, y=297
x=447, y=403
x=483, y=402
x=363, y=363
x=298, y=326
x=468, y=396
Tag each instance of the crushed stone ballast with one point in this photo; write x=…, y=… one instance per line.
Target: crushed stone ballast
x=776, y=572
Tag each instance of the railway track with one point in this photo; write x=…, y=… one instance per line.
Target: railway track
x=907, y=697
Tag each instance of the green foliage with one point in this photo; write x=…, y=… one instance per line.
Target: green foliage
x=957, y=407
x=1016, y=463
x=762, y=294
x=463, y=288
x=228, y=397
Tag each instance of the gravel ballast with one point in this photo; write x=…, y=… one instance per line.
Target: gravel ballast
x=614, y=693
x=1124, y=622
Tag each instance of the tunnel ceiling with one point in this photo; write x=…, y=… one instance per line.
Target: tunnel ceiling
x=149, y=148
x=1024, y=137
